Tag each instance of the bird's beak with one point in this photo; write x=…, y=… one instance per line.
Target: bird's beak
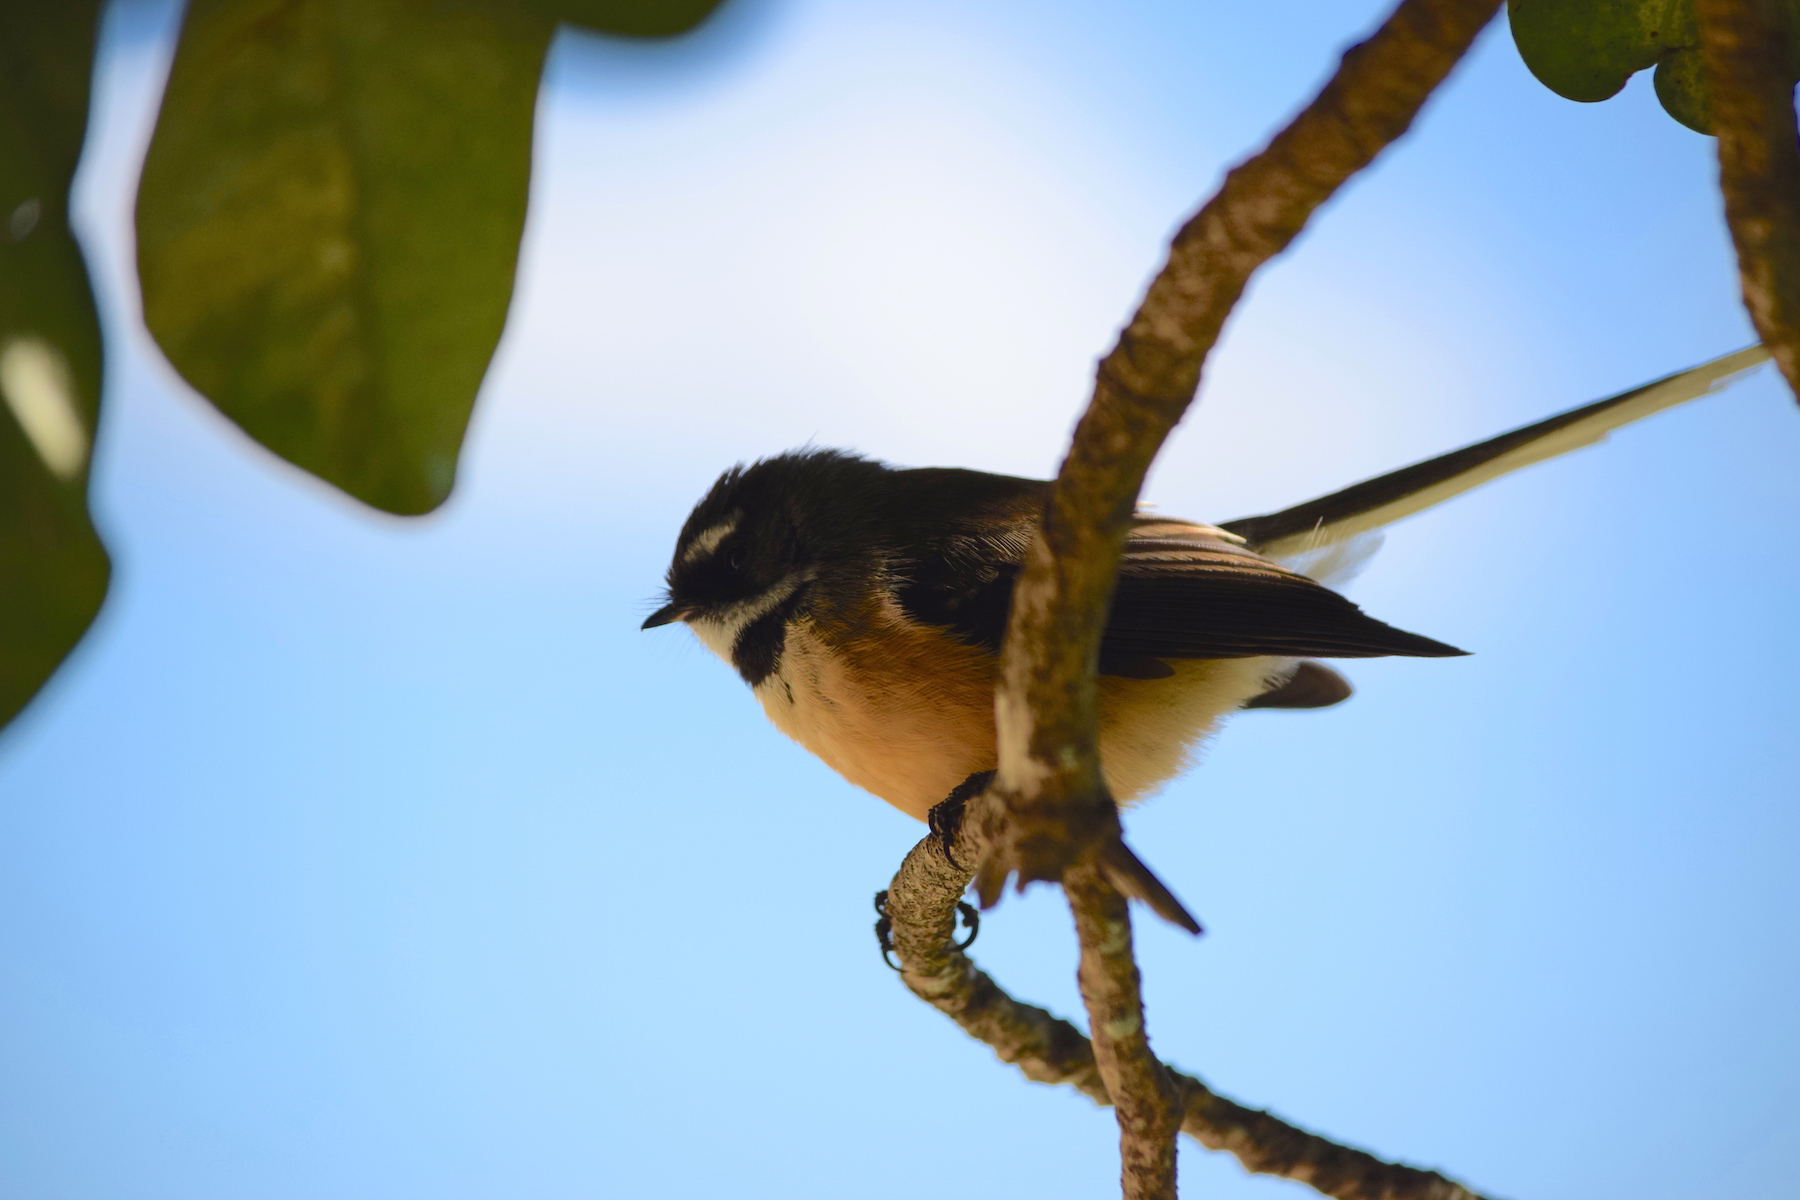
x=666, y=615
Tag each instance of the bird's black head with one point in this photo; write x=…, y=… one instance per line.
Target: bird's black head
x=758, y=536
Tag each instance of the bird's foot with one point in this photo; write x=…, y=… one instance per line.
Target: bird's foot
x=884, y=928
x=946, y=816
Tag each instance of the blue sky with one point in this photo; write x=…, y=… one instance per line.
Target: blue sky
x=369, y=858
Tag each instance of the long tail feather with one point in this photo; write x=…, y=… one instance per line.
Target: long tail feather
x=1367, y=506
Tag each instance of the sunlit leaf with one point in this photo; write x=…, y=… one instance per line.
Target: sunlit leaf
x=632, y=18
x=1587, y=49
x=329, y=220
x=53, y=570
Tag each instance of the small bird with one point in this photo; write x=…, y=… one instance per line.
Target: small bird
x=865, y=604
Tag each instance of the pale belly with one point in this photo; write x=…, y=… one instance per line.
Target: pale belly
x=909, y=733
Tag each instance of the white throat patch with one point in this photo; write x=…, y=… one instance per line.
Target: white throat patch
x=719, y=630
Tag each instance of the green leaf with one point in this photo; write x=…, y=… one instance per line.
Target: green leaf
x=630, y=18
x=329, y=219
x=1586, y=49
x=53, y=569
x=1681, y=86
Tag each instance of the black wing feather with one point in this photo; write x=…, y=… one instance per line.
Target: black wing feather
x=1189, y=591
x=1184, y=591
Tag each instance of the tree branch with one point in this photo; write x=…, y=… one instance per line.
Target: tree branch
x=1749, y=55
x=1049, y=815
x=1049, y=807
x=921, y=904
x=1144, y=1095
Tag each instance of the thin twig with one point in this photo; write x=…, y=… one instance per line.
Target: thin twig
x=1146, y=1099
x=1747, y=48
x=1049, y=815
x=921, y=904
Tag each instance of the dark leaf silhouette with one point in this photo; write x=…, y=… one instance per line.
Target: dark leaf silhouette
x=630, y=18
x=53, y=569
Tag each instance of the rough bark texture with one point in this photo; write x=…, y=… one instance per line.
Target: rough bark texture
x=1049, y=808
x=1048, y=816
x=1145, y=1097
x=921, y=904
x=1745, y=45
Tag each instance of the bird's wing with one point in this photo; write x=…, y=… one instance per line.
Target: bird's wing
x=957, y=539
x=1297, y=534
x=1184, y=591
x=1194, y=591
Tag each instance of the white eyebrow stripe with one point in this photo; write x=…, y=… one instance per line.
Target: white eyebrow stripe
x=709, y=539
